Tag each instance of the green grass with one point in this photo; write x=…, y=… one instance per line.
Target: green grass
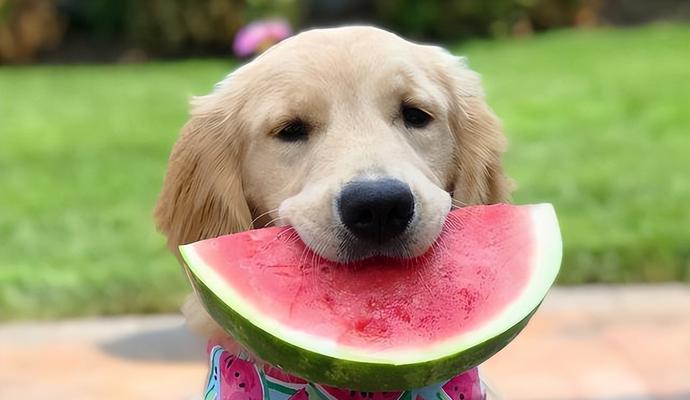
x=598, y=123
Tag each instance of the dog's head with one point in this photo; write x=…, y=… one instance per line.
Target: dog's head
x=360, y=140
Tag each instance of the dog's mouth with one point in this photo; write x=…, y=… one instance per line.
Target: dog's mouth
x=368, y=218
x=341, y=245
x=385, y=218
x=352, y=248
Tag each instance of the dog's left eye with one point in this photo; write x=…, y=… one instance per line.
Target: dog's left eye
x=414, y=117
x=294, y=131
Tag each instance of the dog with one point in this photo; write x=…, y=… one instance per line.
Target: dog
x=360, y=140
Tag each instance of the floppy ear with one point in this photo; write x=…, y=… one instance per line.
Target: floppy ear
x=479, y=139
x=202, y=194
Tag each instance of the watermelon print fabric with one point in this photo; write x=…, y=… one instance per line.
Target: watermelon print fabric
x=232, y=377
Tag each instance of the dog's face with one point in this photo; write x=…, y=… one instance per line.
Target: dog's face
x=359, y=158
x=358, y=139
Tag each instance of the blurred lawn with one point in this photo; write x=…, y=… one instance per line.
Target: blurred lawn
x=599, y=125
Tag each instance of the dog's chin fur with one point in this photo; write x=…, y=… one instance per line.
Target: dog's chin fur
x=228, y=170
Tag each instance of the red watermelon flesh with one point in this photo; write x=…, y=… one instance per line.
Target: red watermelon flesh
x=484, y=276
x=383, y=303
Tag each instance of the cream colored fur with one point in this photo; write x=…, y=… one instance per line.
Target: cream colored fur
x=228, y=172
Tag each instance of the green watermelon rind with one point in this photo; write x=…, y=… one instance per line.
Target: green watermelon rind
x=337, y=365
x=355, y=375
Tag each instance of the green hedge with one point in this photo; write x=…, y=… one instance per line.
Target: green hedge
x=184, y=27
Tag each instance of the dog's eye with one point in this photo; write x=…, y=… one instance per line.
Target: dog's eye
x=293, y=131
x=414, y=117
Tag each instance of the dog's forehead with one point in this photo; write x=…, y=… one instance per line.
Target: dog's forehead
x=354, y=67
x=346, y=38
x=340, y=54
x=350, y=56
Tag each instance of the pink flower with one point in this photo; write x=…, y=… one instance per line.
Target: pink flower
x=259, y=36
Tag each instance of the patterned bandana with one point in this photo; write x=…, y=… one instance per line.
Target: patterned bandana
x=232, y=377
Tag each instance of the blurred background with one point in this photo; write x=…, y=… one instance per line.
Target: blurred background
x=594, y=96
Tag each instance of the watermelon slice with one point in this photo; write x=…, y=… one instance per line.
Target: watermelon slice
x=382, y=324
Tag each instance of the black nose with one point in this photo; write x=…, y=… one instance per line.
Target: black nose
x=376, y=210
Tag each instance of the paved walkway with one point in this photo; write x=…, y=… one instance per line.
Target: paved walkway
x=589, y=343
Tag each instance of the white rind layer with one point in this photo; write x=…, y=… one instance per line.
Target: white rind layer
x=547, y=261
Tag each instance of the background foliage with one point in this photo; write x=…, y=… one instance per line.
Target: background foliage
x=132, y=30
x=598, y=123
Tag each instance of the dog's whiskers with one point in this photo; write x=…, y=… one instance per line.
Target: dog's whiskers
x=262, y=215
x=269, y=223
x=458, y=203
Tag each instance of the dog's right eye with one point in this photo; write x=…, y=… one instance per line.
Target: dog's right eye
x=294, y=131
x=414, y=117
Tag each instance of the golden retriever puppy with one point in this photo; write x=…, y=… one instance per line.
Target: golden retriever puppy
x=360, y=140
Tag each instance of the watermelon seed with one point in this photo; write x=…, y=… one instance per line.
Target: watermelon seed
x=241, y=385
x=237, y=374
